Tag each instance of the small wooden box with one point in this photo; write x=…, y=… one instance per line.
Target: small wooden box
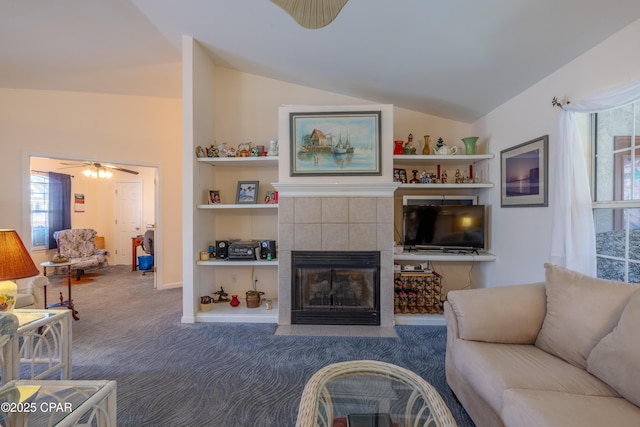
x=417, y=292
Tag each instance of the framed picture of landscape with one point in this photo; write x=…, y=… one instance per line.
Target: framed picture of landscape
x=524, y=174
x=335, y=143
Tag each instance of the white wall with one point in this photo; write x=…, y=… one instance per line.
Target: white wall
x=521, y=236
x=112, y=128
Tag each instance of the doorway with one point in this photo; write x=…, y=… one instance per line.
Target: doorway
x=102, y=208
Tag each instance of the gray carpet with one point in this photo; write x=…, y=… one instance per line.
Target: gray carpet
x=173, y=374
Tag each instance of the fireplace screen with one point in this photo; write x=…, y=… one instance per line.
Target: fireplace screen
x=336, y=288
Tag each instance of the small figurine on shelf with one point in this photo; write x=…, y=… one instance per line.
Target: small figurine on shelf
x=458, y=177
x=222, y=295
x=415, y=179
x=443, y=177
x=234, y=301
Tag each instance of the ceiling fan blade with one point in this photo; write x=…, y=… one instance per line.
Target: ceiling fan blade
x=121, y=169
x=75, y=164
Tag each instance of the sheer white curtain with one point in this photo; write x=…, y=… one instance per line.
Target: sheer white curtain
x=573, y=242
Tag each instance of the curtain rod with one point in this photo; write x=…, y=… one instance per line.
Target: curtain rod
x=560, y=104
x=33, y=170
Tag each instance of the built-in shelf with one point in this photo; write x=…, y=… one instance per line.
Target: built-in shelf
x=447, y=186
x=232, y=263
x=239, y=206
x=442, y=160
x=420, y=319
x=240, y=161
x=223, y=312
x=444, y=256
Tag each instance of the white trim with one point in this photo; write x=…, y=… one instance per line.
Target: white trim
x=362, y=189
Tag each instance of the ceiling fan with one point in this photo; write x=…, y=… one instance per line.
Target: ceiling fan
x=97, y=170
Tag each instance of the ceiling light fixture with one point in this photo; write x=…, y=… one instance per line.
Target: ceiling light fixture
x=312, y=14
x=97, y=172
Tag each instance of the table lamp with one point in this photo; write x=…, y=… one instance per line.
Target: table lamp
x=15, y=263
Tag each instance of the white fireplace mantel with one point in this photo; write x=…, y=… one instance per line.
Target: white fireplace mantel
x=336, y=189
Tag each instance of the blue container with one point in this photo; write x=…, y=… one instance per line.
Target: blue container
x=145, y=262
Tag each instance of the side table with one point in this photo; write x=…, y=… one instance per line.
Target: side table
x=59, y=403
x=69, y=303
x=43, y=342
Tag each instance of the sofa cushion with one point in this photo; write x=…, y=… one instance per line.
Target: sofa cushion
x=581, y=310
x=559, y=409
x=507, y=314
x=616, y=359
x=493, y=368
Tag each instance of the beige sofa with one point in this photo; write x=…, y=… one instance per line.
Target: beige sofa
x=563, y=353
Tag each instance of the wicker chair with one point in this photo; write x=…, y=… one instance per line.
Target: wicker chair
x=368, y=386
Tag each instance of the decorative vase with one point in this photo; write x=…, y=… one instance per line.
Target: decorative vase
x=234, y=301
x=425, y=147
x=397, y=147
x=273, y=148
x=470, y=144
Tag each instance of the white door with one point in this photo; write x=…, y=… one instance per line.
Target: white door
x=128, y=220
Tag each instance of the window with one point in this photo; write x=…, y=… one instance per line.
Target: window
x=39, y=210
x=616, y=193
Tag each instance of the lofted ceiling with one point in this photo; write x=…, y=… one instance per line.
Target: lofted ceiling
x=457, y=59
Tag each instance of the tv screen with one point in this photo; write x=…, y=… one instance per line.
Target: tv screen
x=444, y=226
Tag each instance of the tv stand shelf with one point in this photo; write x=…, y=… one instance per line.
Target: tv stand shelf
x=444, y=256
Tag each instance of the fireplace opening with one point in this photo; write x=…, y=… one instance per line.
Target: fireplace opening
x=335, y=287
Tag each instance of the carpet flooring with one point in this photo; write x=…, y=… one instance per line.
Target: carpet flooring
x=223, y=374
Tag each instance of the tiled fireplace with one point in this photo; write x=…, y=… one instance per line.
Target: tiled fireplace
x=329, y=218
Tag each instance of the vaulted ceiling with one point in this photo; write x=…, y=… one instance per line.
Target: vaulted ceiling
x=457, y=59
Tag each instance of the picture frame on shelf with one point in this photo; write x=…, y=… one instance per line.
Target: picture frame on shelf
x=400, y=175
x=247, y=192
x=213, y=197
x=271, y=198
x=335, y=143
x=524, y=174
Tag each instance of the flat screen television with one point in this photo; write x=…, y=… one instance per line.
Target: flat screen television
x=444, y=226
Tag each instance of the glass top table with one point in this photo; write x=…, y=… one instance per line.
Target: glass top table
x=368, y=393
x=43, y=403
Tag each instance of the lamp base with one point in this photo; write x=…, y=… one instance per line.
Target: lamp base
x=8, y=293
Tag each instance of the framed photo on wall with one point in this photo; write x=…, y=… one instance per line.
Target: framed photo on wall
x=247, y=192
x=335, y=143
x=524, y=174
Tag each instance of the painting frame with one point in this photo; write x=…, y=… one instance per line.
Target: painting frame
x=524, y=174
x=213, y=197
x=247, y=192
x=335, y=143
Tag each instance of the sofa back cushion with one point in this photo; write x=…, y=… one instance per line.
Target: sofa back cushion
x=505, y=314
x=616, y=359
x=581, y=310
x=77, y=242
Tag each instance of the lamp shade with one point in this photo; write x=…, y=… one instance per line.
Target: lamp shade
x=15, y=261
x=312, y=14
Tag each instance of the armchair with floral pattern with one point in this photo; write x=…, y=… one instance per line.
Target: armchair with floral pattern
x=79, y=246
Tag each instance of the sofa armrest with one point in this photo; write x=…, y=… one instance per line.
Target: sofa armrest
x=34, y=286
x=507, y=314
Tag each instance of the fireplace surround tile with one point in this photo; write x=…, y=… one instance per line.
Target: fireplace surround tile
x=335, y=210
x=307, y=236
x=335, y=237
x=308, y=210
x=363, y=237
x=363, y=210
x=285, y=210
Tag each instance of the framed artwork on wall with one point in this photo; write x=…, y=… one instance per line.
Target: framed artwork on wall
x=247, y=192
x=335, y=143
x=524, y=174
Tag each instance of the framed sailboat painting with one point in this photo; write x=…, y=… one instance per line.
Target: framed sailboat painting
x=335, y=143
